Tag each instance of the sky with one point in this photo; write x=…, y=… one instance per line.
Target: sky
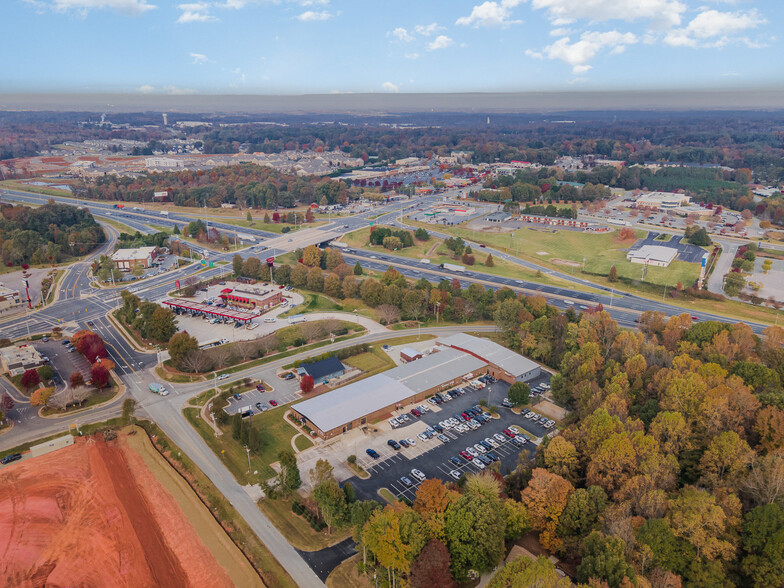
x=388, y=46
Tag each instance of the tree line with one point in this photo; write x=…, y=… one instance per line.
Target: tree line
x=48, y=234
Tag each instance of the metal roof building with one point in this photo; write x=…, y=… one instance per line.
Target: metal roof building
x=518, y=367
x=353, y=402
x=434, y=370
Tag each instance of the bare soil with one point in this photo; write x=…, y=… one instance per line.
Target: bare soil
x=565, y=262
x=92, y=515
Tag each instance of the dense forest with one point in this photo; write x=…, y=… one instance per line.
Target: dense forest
x=669, y=470
x=246, y=185
x=48, y=234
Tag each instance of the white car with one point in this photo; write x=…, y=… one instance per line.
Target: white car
x=478, y=463
x=516, y=429
x=444, y=425
x=480, y=449
x=223, y=376
x=403, y=417
x=422, y=436
x=531, y=415
x=423, y=408
x=471, y=451
x=499, y=437
x=455, y=474
x=394, y=423
x=491, y=442
x=411, y=442
x=473, y=424
x=418, y=474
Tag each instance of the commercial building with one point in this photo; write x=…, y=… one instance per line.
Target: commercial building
x=661, y=200
x=653, y=255
x=9, y=298
x=16, y=359
x=407, y=354
x=374, y=398
x=251, y=300
x=126, y=259
x=322, y=371
x=503, y=363
x=498, y=217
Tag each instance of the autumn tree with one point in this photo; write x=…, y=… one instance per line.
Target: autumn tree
x=306, y=384
x=383, y=538
x=582, y=514
x=613, y=275
x=546, y=497
x=41, y=396
x=523, y=571
x=695, y=517
x=289, y=477
x=489, y=262
x=99, y=376
x=560, y=457
x=30, y=379
x=311, y=256
x=432, y=500
x=474, y=528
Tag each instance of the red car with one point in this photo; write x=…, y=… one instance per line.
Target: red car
x=509, y=433
x=416, y=412
x=465, y=417
x=273, y=402
x=466, y=455
x=260, y=387
x=281, y=287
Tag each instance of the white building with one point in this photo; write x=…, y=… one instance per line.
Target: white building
x=9, y=298
x=657, y=255
x=125, y=259
x=661, y=200
x=16, y=359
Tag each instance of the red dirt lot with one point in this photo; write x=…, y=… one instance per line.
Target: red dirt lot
x=93, y=515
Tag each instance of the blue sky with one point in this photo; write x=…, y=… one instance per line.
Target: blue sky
x=323, y=46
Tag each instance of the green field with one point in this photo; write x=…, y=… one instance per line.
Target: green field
x=276, y=436
x=370, y=361
x=437, y=253
x=599, y=252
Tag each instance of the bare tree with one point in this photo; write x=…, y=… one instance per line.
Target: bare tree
x=268, y=343
x=312, y=331
x=81, y=393
x=59, y=401
x=388, y=313
x=196, y=361
x=244, y=348
x=221, y=355
x=765, y=482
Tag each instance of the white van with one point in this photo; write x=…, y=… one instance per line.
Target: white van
x=269, y=320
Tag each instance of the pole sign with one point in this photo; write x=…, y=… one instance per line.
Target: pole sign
x=177, y=284
x=270, y=261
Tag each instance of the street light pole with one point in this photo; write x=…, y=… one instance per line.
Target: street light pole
x=247, y=450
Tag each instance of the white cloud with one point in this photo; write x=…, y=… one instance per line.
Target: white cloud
x=128, y=7
x=490, y=14
x=440, y=42
x=411, y=55
x=579, y=53
x=311, y=16
x=146, y=89
x=390, y=87
x=176, y=91
x=427, y=30
x=401, y=35
x=199, y=59
x=665, y=13
x=195, y=12
x=714, y=28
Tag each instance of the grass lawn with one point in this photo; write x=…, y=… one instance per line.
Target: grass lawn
x=25, y=187
x=387, y=495
x=297, y=530
x=276, y=436
x=202, y=398
x=315, y=302
x=123, y=228
x=405, y=339
x=347, y=574
x=371, y=361
x=302, y=443
x=99, y=397
x=437, y=253
x=600, y=252
x=358, y=470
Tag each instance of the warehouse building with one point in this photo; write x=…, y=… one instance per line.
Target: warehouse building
x=503, y=364
x=407, y=354
x=657, y=255
x=374, y=398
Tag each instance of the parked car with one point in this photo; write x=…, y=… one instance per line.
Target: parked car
x=406, y=481
x=393, y=444
x=403, y=442
x=466, y=455
x=237, y=396
x=372, y=453
x=443, y=438
x=260, y=387
x=455, y=474
x=273, y=402
x=10, y=458
x=456, y=461
x=418, y=474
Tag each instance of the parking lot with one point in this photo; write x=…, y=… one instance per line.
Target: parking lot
x=432, y=457
x=686, y=251
x=283, y=392
x=63, y=362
